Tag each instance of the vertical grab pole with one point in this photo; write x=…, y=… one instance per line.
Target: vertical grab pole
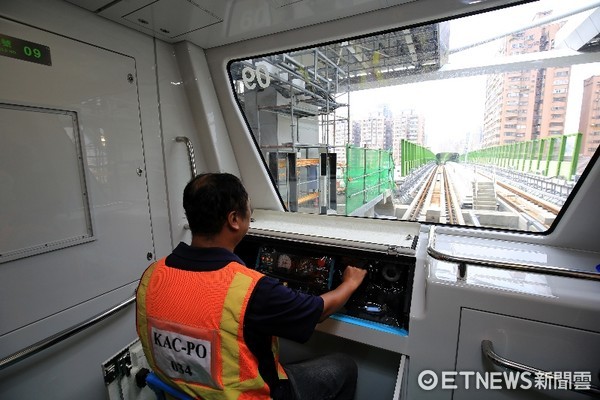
x=190, y=149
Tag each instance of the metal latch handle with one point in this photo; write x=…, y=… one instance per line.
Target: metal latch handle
x=487, y=348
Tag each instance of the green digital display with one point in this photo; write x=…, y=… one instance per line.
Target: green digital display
x=23, y=50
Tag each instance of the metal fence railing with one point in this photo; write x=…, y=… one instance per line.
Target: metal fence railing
x=551, y=157
x=413, y=156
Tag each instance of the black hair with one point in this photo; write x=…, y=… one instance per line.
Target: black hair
x=209, y=198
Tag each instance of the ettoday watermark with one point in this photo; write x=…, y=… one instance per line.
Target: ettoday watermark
x=511, y=380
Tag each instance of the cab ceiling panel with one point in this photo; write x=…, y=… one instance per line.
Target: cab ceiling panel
x=173, y=18
x=211, y=23
x=92, y=5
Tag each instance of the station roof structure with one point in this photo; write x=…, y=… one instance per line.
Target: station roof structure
x=318, y=75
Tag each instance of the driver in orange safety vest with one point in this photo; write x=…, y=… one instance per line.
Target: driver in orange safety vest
x=209, y=325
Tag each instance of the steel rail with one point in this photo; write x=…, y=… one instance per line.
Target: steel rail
x=451, y=198
x=451, y=216
x=538, y=202
x=415, y=210
x=534, y=218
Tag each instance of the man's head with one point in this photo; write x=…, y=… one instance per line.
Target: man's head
x=213, y=201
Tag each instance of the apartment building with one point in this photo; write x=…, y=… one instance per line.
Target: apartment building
x=385, y=129
x=528, y=104
x=589, y=121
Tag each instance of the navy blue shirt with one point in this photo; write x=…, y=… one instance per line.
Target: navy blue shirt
x=273, y=309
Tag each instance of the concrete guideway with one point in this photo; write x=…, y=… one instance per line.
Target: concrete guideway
x=458, y=194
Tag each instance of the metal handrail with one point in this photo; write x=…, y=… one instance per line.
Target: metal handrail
x=524, y=267
x=191, y=155
x=487, y=348
x=60, y=336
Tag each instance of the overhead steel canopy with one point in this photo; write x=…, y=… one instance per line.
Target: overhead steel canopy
x=378, y=58
x=583, y=34
x=335, y=68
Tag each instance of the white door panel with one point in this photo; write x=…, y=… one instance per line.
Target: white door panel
x=99, y=88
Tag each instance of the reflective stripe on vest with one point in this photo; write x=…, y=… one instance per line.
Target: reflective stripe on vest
x=205, y=346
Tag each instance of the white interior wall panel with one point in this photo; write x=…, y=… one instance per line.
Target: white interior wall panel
x=93, y=84
x=68, y=20
x=43, y=294
x=176, y=121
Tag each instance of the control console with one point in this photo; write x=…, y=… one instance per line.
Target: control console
x=383, y=297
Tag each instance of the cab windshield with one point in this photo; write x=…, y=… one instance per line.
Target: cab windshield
x=434, y=123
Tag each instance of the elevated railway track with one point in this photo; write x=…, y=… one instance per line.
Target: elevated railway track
x=441, y=200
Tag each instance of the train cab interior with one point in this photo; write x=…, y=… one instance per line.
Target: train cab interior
x=448, y=147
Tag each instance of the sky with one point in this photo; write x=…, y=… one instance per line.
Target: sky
x=455, y=107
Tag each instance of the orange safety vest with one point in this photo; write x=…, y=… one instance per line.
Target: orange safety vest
x=191, y=328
